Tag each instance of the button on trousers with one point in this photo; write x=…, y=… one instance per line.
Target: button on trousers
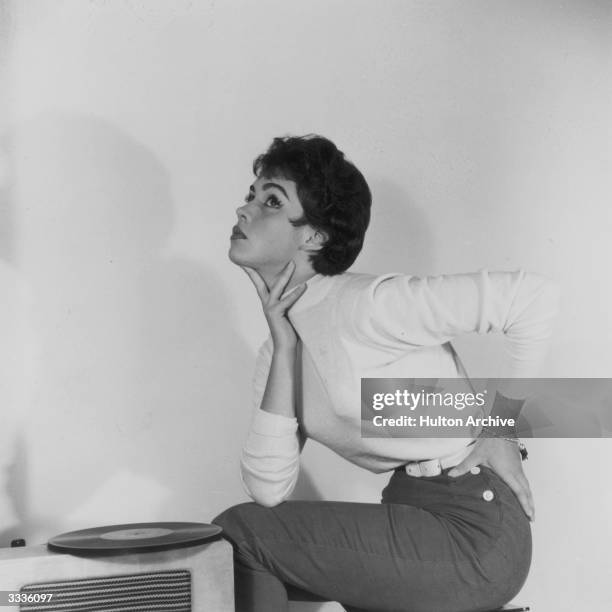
x=436, y=544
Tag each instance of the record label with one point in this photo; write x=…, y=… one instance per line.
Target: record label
x=135, y=534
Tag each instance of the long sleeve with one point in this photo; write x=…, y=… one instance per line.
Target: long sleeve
x=403, y=312
x=270, y=459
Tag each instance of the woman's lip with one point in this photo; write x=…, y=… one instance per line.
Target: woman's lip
x=237, y=234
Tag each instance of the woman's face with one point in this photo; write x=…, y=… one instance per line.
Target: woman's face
x=264, y=238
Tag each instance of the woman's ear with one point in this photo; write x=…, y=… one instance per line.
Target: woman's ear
x=314, y=241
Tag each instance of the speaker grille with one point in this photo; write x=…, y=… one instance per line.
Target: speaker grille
x=168, y=591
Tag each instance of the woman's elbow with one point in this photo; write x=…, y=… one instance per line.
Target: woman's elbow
x=268, y=501
x=265, y=495
x=268, y=488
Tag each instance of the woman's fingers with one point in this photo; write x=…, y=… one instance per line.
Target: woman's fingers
x=271, y=298
x=275, y=307
x=282, y=306
x=282, y=281
x=523, y=492
x=289, y=300
x=260, y=285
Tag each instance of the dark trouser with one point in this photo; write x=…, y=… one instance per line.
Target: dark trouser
x=434, y=545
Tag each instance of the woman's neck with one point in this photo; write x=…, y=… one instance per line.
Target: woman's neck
x=299, y=276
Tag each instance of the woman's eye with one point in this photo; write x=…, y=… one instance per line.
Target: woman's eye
x=273, y=202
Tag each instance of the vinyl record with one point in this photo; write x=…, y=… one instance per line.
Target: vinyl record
x=133, y=538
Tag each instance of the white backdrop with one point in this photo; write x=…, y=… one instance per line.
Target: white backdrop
x=127, y=132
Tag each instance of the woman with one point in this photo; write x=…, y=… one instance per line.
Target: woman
x=436, y=543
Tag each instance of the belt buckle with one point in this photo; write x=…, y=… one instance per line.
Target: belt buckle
x=426, y=469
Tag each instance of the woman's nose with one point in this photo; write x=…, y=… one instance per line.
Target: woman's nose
x=240, y=212
x=243, y=211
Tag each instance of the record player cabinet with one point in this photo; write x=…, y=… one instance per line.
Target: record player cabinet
x=185, y=579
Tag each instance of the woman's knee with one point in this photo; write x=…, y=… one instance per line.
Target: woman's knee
x=238, y=522
x=241, y=525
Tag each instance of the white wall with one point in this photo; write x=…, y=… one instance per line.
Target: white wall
x=127, y=132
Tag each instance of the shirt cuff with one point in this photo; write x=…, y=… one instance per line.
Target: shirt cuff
x=276, y=425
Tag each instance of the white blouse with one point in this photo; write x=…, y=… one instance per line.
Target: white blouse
x=355, y=326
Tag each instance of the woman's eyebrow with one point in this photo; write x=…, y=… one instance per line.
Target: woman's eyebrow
x=279, y=187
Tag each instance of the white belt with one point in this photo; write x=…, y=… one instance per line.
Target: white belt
x=434, y=467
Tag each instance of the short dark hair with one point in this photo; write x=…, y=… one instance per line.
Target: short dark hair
x=334, y=195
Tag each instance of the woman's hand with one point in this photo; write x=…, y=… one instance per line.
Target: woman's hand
x=504, y=458
x=275, y=308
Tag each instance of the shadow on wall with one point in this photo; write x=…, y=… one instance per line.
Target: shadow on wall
x=137, y=379
x=12, y=457
x=13, y=495
x=7, y=222
x=399, y=238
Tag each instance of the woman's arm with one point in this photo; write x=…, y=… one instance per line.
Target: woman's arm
x=270, y=456
x=407, y=312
